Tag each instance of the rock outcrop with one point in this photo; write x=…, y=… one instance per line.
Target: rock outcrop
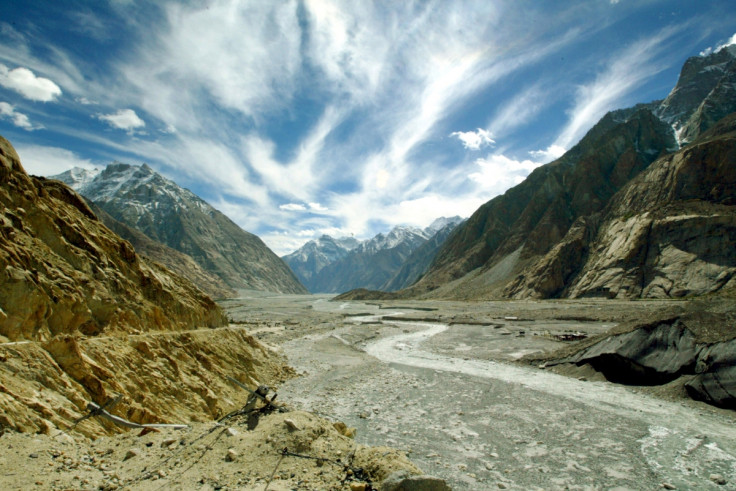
x=664, y=350
x=63, y=272
x=173, y=377
x=167, y=213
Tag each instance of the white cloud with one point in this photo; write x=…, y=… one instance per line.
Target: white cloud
x=19, y=119
x=292, y=207
x=25, y=82
x=474, y=140
x=498, y=172
x=549, y=154
x=317, y=207
x=124, y=119
x=48, y=161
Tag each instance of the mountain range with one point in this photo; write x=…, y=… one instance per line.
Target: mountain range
x=147, y=202
x=388, y=261
x=642, y=206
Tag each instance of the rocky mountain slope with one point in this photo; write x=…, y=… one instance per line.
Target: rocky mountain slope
x=167, y=213
x=670, y=232
x=533, y=240
x=178, y=262
x=419, y=260
x=330, y=265
x=64, y=272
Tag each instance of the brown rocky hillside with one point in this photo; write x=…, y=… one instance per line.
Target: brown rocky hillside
x=64, y=272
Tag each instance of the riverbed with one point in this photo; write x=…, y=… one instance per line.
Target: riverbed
x=441, y=383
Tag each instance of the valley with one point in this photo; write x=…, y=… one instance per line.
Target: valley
x=442, y=382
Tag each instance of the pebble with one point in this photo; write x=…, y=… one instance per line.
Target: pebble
x=718, y=479
x=667, y=485
x=232, y=455
x=291, y=424
x=231, y=432
x=133, y=452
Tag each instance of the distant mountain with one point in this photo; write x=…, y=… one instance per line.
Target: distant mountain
x=309, y=260
x=328, y=265
x=419, y=260
x=178, y=262
x=599, y=221
x=174, y=216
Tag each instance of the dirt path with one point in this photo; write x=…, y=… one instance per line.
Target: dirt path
x=485, y=424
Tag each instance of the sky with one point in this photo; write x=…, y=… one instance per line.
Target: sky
x=299, y=118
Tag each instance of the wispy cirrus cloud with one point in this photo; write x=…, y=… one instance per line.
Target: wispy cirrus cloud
x=609, y=90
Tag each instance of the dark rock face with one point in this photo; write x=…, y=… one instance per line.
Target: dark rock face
x=167, y=213
x=64, y=272
x=715, y=380
x=658, y=353
x=650, y=355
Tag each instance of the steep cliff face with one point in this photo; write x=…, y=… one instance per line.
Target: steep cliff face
x=704, y=94
x=531, y=218
x=167, y=213
x=670, y=232
x=63, y=272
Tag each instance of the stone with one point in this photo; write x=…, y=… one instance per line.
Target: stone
x=291, y=424
x=168, y=442
x=404, y=481
x=344, y=429
x=232, y=455
x=133, y=452
x=718, y=479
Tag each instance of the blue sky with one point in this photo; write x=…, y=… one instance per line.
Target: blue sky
x=298, y=118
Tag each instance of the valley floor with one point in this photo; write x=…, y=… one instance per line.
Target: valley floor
x=439, y=380
x=448, y=384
